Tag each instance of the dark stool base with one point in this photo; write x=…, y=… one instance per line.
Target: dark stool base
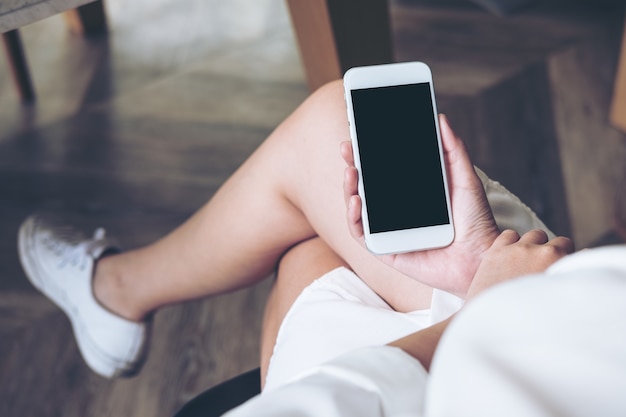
x=223, y=397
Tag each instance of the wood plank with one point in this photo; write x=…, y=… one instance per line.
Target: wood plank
x=335, y=35
x=593, y=154
x=20, y=309
x=509, y=132
x=362, y=31
x=88, y=20
x=316, y=41
x=618, y=106
x=195, y=346
x=18, y=65
x=17, y=13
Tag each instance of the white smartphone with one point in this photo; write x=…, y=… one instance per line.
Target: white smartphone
x=398, y=153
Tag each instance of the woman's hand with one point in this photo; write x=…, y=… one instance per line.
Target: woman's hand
x=513, y=256
x=452, y=268
x=509, y=257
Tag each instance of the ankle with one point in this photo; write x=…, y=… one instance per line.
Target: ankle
x=110, y=291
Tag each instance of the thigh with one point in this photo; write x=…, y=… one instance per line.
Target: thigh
x=298, y=268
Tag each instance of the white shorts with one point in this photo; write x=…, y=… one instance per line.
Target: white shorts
x=338, y=312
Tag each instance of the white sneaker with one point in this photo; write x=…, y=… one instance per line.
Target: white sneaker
x=59, y=262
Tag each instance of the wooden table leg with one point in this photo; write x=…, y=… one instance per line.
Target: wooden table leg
x=89, y=19
x=618, y=107
x=18, y=65
x=335, y=35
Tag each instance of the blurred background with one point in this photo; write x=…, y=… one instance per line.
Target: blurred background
x=134, y=129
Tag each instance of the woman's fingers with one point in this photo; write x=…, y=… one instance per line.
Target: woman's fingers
x=345, y=149
x=507, y=237
x=351, y=176
x=350, y=192
x=354, y=217
x=537, y=237
x=448, y=137
x=565, y=244
x=453, y=146
x=562, y=244
x=350, y=183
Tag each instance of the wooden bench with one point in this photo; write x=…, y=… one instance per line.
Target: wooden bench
x=333, y=35
x=83, y=16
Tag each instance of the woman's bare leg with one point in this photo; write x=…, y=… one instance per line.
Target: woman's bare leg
x=300, y=266
x=288, y=191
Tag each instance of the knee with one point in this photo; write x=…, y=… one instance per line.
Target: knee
x=329, y=98
x=332, y=88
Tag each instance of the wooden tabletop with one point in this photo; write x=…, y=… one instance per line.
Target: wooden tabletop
x=18, y=13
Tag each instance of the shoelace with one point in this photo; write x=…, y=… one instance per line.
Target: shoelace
x=71, y=246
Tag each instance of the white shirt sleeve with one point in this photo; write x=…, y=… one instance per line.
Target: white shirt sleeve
x=550, y=344
x=369, y=382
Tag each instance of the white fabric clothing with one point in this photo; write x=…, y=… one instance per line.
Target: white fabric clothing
x=367, y=382
x=508, y=210
x=339, y=313
x=551, y=344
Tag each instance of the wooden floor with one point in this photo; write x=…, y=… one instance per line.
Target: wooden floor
x=136, y=130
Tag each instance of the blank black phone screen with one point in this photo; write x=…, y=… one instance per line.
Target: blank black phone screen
x=400, y=164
